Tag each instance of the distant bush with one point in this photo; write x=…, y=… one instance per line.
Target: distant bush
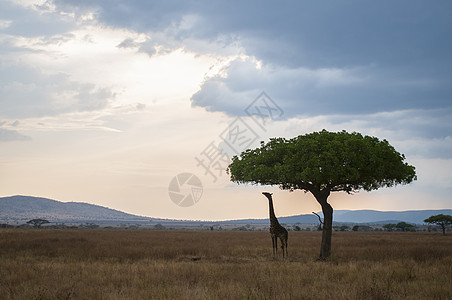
x=159, y=227
x=241, y=228
x=361, y=228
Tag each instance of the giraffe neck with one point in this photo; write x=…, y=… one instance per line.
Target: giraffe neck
x=273, y=218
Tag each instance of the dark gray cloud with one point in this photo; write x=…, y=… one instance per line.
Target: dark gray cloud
x=310, y=92
x=296, y=33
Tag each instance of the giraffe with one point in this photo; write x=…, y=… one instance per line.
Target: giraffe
x=276, y=230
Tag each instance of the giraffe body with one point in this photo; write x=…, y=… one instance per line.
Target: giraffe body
x=276, y=230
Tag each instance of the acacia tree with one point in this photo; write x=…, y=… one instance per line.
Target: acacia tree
x=441, y=220
x=38, y=222
x=321, y=163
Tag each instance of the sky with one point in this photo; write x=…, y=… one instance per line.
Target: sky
x=137, y=105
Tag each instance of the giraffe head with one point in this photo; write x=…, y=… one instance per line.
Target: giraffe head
x=267, y=194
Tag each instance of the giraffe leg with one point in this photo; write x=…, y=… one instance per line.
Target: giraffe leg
x=282, y=247
x=273, y=245
x=285, y=246
x=276, y=246
x=287, y=254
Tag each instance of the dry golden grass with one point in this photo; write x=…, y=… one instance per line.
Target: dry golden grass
x=143, y=264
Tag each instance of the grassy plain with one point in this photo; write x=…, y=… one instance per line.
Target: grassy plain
x=145, y=264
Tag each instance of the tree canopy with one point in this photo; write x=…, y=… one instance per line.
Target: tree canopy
x=321, y=163
x=339, y=161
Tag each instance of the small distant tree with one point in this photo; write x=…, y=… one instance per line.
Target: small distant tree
x=441, y=220
x=389, y=227
x=404, y=226
x=38, y=222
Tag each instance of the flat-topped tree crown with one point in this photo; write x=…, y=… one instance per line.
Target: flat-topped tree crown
x=329, y=161
x=321, y=163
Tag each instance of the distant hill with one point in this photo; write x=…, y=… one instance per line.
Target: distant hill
x=302, y=219
x=24, y=208
x=357, y=216
x=375, y=216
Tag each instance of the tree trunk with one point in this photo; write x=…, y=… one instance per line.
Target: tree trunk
x=325, y=249
x=321, y=197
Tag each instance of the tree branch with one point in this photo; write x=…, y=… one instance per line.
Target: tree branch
x=320, y=220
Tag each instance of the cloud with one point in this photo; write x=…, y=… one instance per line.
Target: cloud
x=29, y=89
x=383, y=68
x=416, y=133
x=315, y=35
x=324, y=91
x=315, y=58
x=128, y=43
x=330, y=57
x=32, y=21
x=28, y=92
x=7, y=135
